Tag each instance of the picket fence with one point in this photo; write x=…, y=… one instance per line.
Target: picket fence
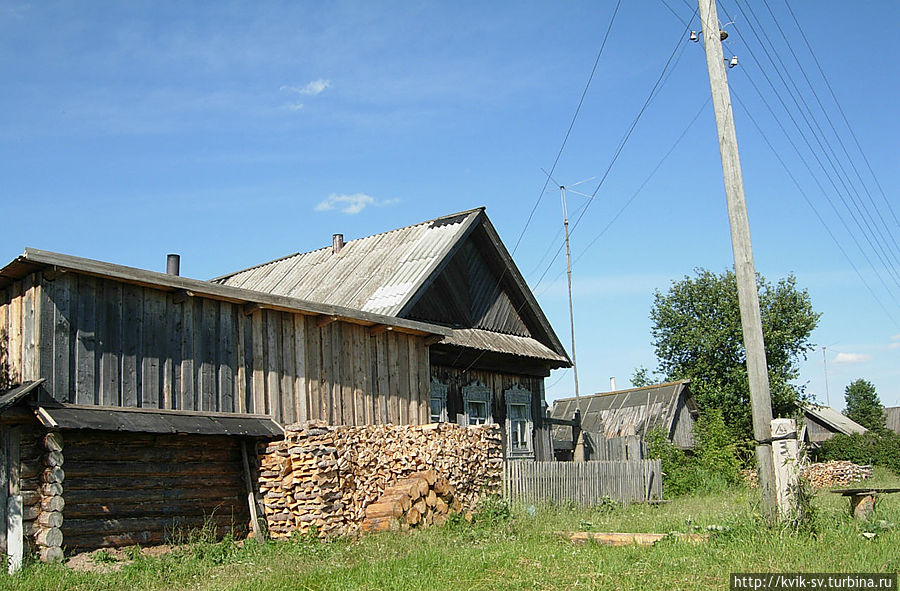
x=584, y=483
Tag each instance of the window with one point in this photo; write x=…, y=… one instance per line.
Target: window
x=477, y=404
x=438, y=402
x=519, y=426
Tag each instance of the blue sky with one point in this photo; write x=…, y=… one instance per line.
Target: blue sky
x=234, y=133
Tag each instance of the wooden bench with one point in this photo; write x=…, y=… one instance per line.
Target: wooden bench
x=862, y=500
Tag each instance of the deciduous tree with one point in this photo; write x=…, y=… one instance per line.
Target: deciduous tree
x=697, y=335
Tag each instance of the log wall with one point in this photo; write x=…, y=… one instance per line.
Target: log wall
x=126, y=488
x=109, y=343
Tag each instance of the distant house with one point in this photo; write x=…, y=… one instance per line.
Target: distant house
x=824, y=422
x=632, y=412
x=892, y=418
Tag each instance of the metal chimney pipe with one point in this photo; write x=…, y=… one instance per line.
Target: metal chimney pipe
x=337, y=243
x=612, y=384
x=173, y=264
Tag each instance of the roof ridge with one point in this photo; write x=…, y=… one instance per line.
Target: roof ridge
x=615, y=392
x=466, y=212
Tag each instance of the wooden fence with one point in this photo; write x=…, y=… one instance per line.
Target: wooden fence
x=584, y=483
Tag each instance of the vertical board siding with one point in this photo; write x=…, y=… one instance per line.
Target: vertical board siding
x=584, y=483
x=108, y=343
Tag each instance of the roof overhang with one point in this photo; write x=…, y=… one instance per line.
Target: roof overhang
x=35, y=260
x=139, y=420
x=10, y=397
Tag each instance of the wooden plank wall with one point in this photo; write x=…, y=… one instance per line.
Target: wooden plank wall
x=129, y=488
x=584, y=483
x=458, y=378
x=102, y=342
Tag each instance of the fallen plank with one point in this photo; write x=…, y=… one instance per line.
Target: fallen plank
x=628, y=539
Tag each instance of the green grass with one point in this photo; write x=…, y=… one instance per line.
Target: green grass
x=523, y=552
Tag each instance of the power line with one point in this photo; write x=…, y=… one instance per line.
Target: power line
x=815, y=155
x=657, y=86
x=843, y=115
x=813, y=207
x=871, y=234
x=571, y=125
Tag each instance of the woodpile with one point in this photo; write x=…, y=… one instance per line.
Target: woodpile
x=823, y=474
x=416, y=501
x=325, y=477
x=835, y=473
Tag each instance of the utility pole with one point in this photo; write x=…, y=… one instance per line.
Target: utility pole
x=748, y=295
x=825, y=363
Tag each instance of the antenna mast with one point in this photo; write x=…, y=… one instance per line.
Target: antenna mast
x=562, y=194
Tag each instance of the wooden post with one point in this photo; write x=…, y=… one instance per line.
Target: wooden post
x=786, y=459
x=252, y=487
x=15, y=535
x=745, y=273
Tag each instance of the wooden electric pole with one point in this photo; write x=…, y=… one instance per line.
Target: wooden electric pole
x=748, y=295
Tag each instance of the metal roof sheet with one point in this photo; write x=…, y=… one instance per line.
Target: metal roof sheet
x=839, y=422
x=623, y=412
x=375, y=274
x=503, y=343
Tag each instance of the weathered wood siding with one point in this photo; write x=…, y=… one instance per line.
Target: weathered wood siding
x=127, y=488
x=458, y=378
x=104, y=342
x=682, y=434
x=468, y=293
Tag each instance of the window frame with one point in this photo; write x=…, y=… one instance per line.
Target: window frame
x=438, y=392
x=477, y=392
x=519, y=396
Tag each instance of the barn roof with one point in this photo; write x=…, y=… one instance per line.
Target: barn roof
x=832, y=418
x=390, y=273
x=892, y=416
x=624, y=412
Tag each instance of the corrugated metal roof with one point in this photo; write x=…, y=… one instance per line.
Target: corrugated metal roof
x=831, y=417
x=375, y=274
x=503, y=343
x=623, y=412
x=892, y=416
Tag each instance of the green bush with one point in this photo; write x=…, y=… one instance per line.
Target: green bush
x=876, y=448
x=713, y=466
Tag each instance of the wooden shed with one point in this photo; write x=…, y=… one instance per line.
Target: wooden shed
x=133, y=394
x=632, y=412
x=453, y=272
x=892, y=418
x=823, y=422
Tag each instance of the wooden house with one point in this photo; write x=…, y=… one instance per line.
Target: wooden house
x=823, y=422
x=626, y=413
x=127, y=397
x=452, y=272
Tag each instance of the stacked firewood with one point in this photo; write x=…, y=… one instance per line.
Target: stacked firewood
x=835, y=473
x=325, y=477
x=417, y=501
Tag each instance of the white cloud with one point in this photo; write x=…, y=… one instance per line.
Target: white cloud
x=851, y=358
x=896, y=337
x=349, y=204
x=311, y=89
x=352, y=204
x=295, y=106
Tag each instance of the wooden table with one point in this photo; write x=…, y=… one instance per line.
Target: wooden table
x=862, y=500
